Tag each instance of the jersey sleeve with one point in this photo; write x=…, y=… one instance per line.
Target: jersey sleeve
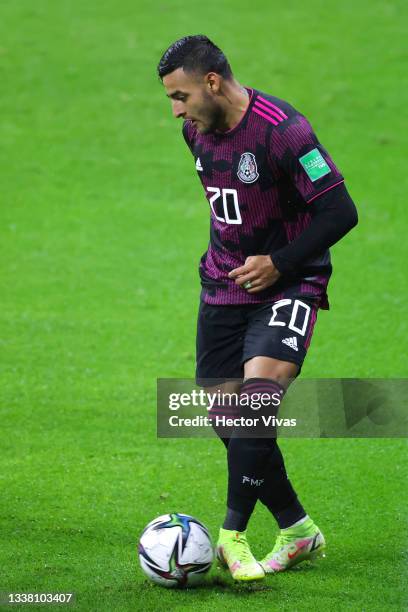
x=306, y=163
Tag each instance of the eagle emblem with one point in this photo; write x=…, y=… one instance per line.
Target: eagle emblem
x=247, y=168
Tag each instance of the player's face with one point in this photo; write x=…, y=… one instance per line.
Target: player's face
x=190, y=98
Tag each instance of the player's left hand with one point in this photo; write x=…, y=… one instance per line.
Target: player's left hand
x=259, y=270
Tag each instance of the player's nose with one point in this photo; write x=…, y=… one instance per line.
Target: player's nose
x=178, y=109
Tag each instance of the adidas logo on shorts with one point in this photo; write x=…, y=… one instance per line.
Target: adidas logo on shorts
x=291, y=342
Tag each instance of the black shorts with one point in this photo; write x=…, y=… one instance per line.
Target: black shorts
x=228, y=336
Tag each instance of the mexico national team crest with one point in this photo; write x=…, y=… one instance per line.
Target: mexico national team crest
x=247, y=168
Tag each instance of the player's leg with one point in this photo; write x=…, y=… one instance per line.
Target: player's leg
x=272, y=375
x=275, y=349
x=219, y=346
x=220, y=336
x=233, y=549
x=299, y=538
x=255, y=464
x=226, y=396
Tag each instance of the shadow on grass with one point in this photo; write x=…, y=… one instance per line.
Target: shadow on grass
x=228, y=584
x=222, y=580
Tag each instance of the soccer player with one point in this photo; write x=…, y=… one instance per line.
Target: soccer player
x=277, y=203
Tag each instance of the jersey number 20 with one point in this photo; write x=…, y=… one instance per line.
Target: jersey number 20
x=224, y=204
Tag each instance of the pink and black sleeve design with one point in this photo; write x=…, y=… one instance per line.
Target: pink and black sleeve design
x=300, y=156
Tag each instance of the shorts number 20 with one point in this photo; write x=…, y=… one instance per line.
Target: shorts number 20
x=300, y=310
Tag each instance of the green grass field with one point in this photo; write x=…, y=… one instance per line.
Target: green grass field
x=103, y=221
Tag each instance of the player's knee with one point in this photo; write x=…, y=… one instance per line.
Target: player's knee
x=268, y=368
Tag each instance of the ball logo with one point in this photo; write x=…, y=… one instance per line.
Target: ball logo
x=247, y=168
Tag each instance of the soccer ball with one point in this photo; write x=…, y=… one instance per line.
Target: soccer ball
x=175, y=550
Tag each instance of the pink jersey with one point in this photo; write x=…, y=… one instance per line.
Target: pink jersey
x=260, y=179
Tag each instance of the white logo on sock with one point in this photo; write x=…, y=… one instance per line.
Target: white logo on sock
x=252, y=481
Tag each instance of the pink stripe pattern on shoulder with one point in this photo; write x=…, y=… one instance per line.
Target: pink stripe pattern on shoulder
x=267, y=117
x=272, y=106
x=269, y=111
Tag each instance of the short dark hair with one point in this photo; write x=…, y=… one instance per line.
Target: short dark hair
x=194, y=54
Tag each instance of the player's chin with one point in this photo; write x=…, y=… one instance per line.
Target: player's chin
x=203, y=128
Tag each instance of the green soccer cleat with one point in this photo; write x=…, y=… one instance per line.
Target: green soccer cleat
x=304, y=542
x=233, y=551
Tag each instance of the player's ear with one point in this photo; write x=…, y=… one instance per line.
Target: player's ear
x=212, y=80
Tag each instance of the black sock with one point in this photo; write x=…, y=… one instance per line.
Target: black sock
x=248, y=455
x=277, y=493
x=227, y=408
x=236, y=521
x=256, y=467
